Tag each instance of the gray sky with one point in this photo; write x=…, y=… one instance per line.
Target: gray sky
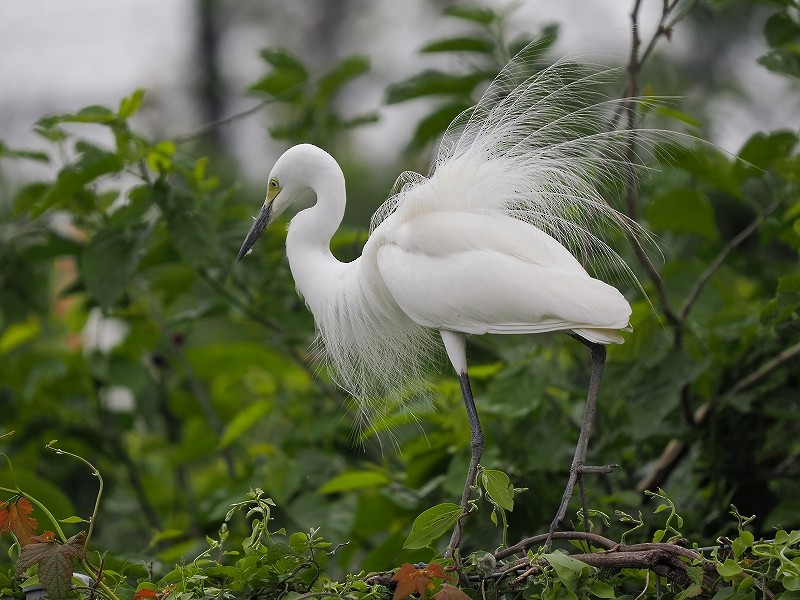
x=57, y=56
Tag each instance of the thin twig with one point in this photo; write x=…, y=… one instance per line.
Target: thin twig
x=715, y=264
x=211, y=125
x=635, y=63
x=676, y=449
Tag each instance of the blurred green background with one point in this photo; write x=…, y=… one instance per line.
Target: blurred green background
x=128, y=334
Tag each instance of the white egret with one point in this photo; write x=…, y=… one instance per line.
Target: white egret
x=487, y=243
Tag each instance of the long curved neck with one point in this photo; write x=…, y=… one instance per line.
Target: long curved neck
x=308, y=239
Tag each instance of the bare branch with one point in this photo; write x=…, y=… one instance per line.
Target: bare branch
x=715, y=264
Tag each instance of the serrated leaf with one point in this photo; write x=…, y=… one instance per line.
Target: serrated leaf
x=431, y=83
x=432, y=524
x=498, y=486
x=15, y=517
x=729, y=568
x=460, y=44
x=54, y=563
x=354, y=480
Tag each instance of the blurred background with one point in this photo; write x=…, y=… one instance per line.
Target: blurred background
x=127, y=334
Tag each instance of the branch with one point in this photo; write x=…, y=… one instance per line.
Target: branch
x=676, y=449
x=715, y=264
x=635, y=63
x=211, y=125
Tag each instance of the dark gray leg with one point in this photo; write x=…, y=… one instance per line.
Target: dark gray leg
x=579, y=467
x=476, y=447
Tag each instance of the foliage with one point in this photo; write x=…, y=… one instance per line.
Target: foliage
x=127, y=332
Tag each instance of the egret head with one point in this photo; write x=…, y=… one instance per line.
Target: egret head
x=279, y=197
x=296, y=172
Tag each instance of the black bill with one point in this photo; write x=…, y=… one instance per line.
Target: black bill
x=255, y=231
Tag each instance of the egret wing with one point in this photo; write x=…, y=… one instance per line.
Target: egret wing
x=478, y=274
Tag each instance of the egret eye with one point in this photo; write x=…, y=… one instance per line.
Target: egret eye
x=273, y=184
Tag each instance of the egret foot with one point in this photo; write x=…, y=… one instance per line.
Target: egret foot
x=579, y=467
x=575, y=476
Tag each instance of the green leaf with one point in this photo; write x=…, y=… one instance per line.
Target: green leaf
x=354, y=480
x=783, y=60
x=130, y=106
x=791, y=583
x=567, y=569
x=677, y=115
x=478, y=14
x=781, y=29
x=498, y=485
x=191, y=229
x=73, y=519
x=108, y=262
x=6, y=152
x=349, y=68
x=433, y=125
x=18, y=334
x=298, y=542
x=243, y=421
x=92, y=164
x=159, y=157
x=288, y=73
x=729, y=568
x=762, y=150
x=429, y=83
x=742, y=543
x=431, y=525
x=602, y=590
x=683, y=210
x=460, y=44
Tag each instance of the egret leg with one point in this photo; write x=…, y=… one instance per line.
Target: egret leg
x=476, y=449
x=454, y=343
x=579, y=467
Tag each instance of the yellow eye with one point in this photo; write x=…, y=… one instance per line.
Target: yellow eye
x=273, y=184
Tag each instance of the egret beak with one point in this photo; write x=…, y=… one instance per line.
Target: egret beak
x=262, y=220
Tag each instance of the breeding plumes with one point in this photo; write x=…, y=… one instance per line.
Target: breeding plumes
x=505, y=236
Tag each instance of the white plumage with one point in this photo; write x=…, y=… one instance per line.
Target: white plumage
x=486, y=244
